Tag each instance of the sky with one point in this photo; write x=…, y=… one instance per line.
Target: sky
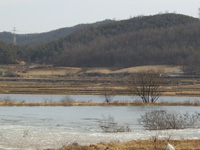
x=36, y=16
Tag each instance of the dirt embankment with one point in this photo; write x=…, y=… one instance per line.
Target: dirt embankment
x=153, y=144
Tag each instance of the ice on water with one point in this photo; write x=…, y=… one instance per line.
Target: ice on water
x=32, y=128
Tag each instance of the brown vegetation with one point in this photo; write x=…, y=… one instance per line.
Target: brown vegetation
x=92, y=81
x=152, y=144
x=61, y=103
x=89, y=85
x=164, y=120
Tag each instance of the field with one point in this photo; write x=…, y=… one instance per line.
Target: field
x=92, y=81
x=71, y=70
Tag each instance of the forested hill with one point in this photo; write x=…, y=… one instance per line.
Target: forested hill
x=42, y=38
x=169, y=39
x=160, y=39
x=11, y=54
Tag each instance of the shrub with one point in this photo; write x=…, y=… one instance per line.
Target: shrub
x=7, y=100
x=108, y=98
x=108, y=125
x=107, y=94
x=67, y=99
x=12, y=74
x=161, y=120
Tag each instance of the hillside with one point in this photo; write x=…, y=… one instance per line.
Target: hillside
x=10, y=54
x=164, y=39
x=168, y=39
x=42, y=38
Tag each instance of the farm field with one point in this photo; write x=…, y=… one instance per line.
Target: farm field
x=94, y=81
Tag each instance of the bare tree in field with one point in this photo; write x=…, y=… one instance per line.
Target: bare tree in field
x=146, y=85
x=107, y=94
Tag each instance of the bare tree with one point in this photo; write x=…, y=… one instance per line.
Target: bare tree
x=107, y=94
x=108, y=124
x=108, y=98
x=146, y=84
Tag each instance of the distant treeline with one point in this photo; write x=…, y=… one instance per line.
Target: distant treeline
x=11, y=54
x=168, y=39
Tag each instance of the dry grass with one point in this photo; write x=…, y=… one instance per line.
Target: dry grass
x=73, y=81
x=137, y=145
x=85, y=86
x=23, y=103
x=99, y=70
x=160, y=68
x=48, y=71
x=53, y=71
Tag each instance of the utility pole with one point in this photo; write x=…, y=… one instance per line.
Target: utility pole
x=199, y=13
x=14, y=36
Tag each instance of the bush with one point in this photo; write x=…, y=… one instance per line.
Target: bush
x=108, y=98
x=108, y=125
x=67, y=99
x=7, y=100
x=161, y=120
x=12, y=74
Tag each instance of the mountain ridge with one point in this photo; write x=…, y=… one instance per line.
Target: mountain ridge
x=34, y=39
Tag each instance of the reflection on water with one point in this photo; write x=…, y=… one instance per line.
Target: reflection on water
x=52, y=127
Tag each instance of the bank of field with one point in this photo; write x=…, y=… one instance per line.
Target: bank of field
x=94, y=81
x=138, y=145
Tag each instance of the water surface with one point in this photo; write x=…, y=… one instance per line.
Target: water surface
x=51, y=127
x=91, y=98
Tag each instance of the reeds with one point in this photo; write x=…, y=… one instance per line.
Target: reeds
x=70, y=102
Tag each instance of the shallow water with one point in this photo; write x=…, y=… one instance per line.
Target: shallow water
x=91, y=98
x=52, y=127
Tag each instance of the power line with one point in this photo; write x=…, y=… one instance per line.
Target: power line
x=199, y=13
x=14, y=36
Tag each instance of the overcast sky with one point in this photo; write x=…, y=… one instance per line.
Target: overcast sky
x=31, y=16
